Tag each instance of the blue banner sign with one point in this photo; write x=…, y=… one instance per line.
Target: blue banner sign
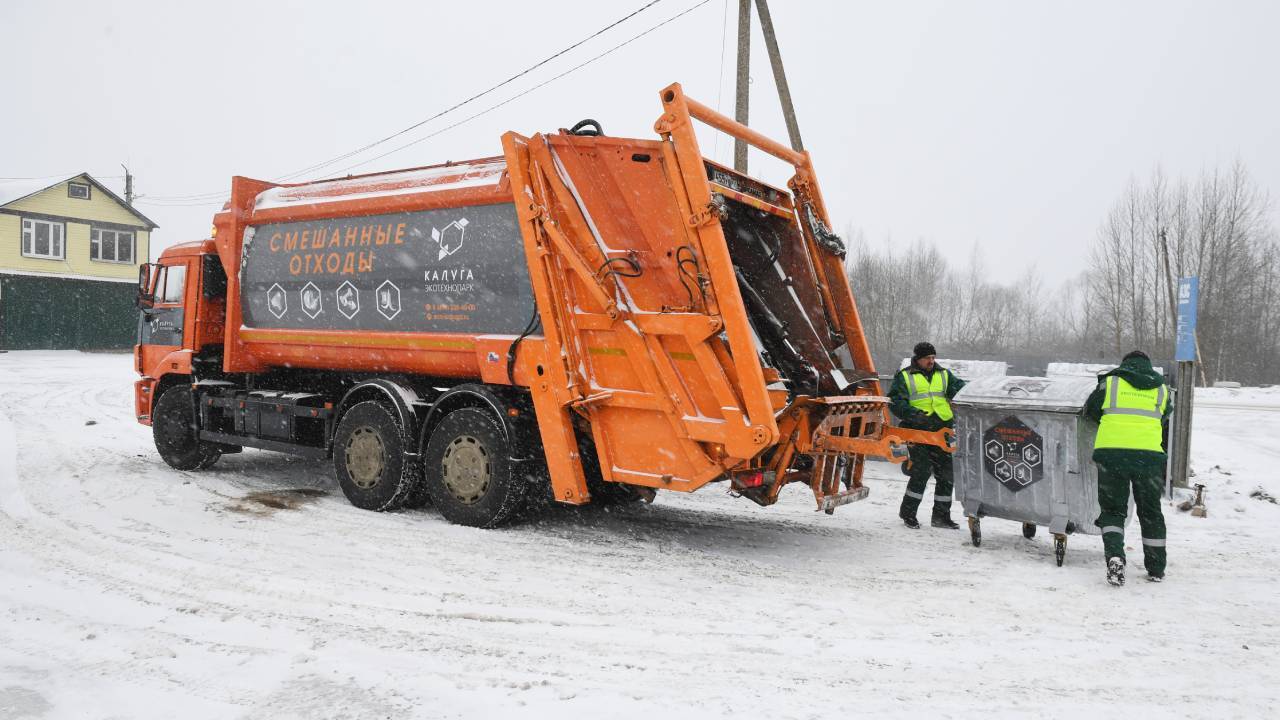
x=1188, y=299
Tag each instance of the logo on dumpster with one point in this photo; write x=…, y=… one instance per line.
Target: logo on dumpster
x=1013, y=454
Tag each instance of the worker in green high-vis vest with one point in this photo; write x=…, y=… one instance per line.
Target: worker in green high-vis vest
x=1130, y=406
x=920, y=398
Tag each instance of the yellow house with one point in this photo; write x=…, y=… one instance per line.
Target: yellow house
x=69, y=256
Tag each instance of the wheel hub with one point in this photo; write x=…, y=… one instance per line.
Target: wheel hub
x=366, y=457
x=465, y=468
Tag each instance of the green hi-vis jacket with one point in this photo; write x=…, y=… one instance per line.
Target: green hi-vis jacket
x=1129, y=435
x=921, y=400
x=1131, y=417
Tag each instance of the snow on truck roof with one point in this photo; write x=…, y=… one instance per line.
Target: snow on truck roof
x=455, y=176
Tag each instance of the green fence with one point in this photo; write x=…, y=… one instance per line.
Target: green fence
x=51, y=313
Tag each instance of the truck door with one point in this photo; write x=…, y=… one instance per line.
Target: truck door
x=162, y=326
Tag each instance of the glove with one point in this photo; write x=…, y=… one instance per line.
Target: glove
x=933, y=423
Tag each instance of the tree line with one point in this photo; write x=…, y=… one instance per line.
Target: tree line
x=1217, y=226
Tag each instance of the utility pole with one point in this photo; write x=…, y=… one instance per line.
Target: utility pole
x=128, y=186
x=1168, y=279
x=741, y=113
x=779, y=75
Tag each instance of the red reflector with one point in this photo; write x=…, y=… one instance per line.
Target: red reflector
x=751, y=479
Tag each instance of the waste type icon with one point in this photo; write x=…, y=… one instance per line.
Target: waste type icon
x=388, y=299
x=277, y=301
x=348, y=300
x=312, y=304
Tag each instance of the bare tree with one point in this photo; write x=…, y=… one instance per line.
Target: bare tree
x=1217, y=226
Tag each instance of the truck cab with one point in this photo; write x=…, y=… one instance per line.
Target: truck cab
x=181, y=301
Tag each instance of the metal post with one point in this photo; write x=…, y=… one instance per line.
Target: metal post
x=779, y=75
x=1180, y=435
x=128, y=186
x=740, y=112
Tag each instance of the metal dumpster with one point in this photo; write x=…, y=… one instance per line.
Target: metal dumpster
x=1023, y=454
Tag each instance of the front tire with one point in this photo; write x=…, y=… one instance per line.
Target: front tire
x=173, y=427
x=467, y=470
x=368, y=458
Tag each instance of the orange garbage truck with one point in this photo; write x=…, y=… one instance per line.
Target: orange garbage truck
x=589, y=317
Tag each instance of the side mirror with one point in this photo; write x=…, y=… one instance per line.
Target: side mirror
x=146, y=298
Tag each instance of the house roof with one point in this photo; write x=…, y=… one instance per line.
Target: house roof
x=11, y=192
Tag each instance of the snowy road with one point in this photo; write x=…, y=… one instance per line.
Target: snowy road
x=253, y=590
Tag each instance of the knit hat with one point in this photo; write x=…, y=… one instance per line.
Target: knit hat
x=1136, y=354
x=923, y=349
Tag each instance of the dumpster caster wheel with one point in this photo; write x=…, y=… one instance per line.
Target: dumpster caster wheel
x=1059, y=548
x=1028, y=530
x=975, y=531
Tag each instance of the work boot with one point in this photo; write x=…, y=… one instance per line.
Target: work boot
x=942, y=519
x=1115, y=571
x=1155, y=578
x=907, y=511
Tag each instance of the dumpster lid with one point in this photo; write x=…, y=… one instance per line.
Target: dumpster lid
x=1060, y=394
x=968, y=369
x=1061, y=369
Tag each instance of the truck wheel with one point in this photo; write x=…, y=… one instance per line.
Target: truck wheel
x=467, y=470
x=368, y=458
x=173, y=428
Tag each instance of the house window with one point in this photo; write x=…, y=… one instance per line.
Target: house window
x=79, y=191
x=111, y=246
x=43, y=239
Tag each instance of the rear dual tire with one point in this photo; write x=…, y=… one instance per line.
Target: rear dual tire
x=466, y=469
x=368, y=458
x=468, y=473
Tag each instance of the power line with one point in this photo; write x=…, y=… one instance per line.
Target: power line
x=469, y=118
x=438, y=115
x=724, y=34
x=60, y=175
x=526, y=92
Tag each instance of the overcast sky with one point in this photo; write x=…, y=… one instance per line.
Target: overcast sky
x=1013, y=125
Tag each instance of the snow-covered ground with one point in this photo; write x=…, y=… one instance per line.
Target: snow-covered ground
x=130, y=590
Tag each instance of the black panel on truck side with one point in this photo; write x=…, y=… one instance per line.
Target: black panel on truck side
x=452, y=270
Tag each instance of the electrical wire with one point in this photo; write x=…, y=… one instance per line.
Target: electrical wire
x=724, y=37
x=446, y=111
x=481, y=113
x=539, y=86
x=60, y=175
